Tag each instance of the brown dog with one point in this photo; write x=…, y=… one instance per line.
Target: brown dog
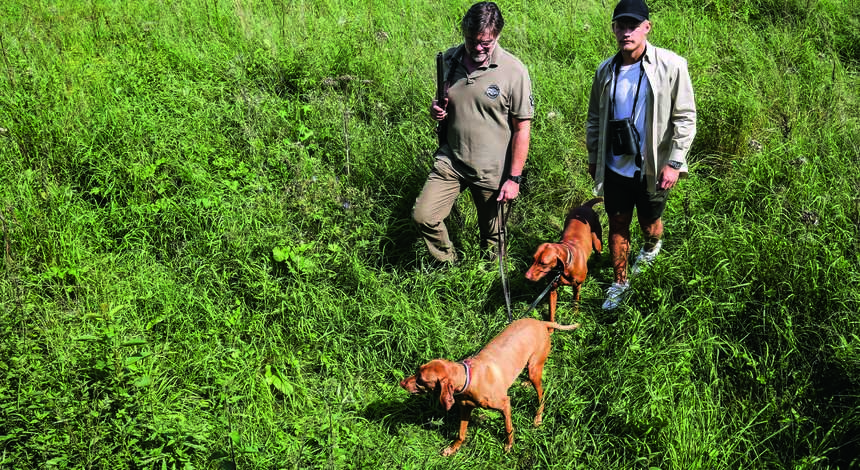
x=582, y=231
x=483, y=380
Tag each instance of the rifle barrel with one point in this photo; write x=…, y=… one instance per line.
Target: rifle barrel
x=440, y=79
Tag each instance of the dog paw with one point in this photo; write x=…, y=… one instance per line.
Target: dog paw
x=448, y=451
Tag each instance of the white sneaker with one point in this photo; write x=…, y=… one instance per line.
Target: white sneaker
x=645, y=258
x=615, y=295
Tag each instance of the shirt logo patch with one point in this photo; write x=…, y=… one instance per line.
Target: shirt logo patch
x=493, y=91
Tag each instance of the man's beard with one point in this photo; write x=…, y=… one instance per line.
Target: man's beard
x=479, y=58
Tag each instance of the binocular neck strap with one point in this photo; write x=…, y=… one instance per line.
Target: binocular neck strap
x=638, y=85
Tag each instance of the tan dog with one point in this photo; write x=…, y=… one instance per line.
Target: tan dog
x=483, y=380
x=582, y=232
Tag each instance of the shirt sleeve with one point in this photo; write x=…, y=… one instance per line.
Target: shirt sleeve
x=683, y=115
x=592, y=123
x=522, y=101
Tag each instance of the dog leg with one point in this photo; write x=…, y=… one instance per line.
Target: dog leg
x=553, y=299
x=503, y=404
x=509, y=424
x=535, y=374
x=465, y=415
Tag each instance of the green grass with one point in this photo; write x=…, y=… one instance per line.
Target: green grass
x=209, y=260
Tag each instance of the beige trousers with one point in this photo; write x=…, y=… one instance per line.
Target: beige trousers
x=435, y=202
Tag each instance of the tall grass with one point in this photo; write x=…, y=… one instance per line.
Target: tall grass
x=209, y=260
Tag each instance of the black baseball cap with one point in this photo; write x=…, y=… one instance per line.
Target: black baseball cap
x=635, y=9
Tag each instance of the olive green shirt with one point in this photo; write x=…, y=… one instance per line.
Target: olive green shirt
x=480, y=108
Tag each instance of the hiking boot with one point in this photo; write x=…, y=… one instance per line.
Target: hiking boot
x=645, y=258
x=616, y=294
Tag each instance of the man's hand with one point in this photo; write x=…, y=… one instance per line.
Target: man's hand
x=437, y=112
x=510, y=190
x=668, y=178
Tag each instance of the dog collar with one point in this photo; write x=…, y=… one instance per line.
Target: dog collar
x=467, y=364
x=568, y=255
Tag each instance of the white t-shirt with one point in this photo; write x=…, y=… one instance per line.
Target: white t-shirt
x=628, y=78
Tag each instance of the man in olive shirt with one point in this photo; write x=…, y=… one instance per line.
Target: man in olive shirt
x=487, y=116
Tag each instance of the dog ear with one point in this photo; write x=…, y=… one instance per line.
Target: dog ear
x=446, y=393
x=558, y=258
x=544, y=253
x=545, y=256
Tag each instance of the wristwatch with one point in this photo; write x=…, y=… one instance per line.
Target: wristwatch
x=675, y=165
x=516, y=179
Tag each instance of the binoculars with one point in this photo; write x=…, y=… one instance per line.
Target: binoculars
x=624, y=138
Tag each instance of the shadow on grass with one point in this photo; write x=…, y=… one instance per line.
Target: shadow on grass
x=222, y=460
x=426, y=412
x=415, y=410
x=837, y=402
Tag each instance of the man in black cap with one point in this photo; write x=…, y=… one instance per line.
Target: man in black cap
x=641, y=123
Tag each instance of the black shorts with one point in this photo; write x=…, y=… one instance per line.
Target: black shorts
x=621, y=194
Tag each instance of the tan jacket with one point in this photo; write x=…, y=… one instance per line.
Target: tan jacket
x=670, y=119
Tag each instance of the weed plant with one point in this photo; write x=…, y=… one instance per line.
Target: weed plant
x=209, y=259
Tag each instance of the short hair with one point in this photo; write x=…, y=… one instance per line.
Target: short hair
x=481, y=17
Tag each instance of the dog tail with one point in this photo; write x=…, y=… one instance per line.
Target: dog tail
x=592, y=202
x=553, y=325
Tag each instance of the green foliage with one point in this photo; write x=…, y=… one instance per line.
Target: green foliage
x=209, y=259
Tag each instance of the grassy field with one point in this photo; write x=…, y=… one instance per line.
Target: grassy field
x=209, y=260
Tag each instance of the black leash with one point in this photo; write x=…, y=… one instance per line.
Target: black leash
x=542, y=294
x=503, y=255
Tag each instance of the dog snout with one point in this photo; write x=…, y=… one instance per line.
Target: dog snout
x=410, y=385
x=536, y=272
